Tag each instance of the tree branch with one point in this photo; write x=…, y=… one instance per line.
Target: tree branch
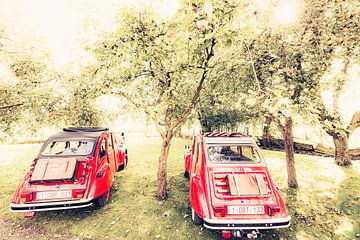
x=11, y=106
x=143, y=106
x=195, y=98
x=355, y=122
x=158, y=127
x=279, y=125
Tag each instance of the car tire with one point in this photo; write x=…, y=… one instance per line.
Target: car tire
x=196, y=219
x=186, y=174
x=123, y=166
x=103, y=199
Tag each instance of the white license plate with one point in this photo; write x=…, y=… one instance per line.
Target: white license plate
x=53, y=195
x=246, y=210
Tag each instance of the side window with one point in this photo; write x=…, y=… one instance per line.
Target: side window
x=110, y=143
x=103, y=148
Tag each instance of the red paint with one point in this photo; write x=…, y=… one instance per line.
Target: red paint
x=93, y=176
x=232, y=195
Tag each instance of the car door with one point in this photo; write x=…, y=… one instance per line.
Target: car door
x=104, y=175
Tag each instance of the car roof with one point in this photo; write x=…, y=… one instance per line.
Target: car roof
x=227, y=137
x=89, y=133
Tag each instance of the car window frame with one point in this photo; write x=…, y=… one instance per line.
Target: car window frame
x=110, y=140
x=239, y=163
x=101, y=143
x=64, y=140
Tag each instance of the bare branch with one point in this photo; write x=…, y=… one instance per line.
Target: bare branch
x=11, y=106
x=355, y=122
x=279, y=125
x=156, y=102
x=195, y=98
x=158, y=127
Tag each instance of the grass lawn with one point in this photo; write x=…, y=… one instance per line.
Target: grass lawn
x=326, y=205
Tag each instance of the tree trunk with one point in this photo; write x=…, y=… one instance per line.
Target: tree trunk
x=162, y=176
x=341, y=150
x=266, y=132
x=289, y=152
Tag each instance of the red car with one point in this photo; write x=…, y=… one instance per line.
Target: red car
x=74, y=169
x=231, y=189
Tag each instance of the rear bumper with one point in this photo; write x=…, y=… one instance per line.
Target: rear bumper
x=48, y=206
x=247, y=224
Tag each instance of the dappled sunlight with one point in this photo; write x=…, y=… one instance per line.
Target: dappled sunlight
x=314, y=172
x=345, y=225
x=287, y=12
x=7, y=78
x=349, y=101
x=319, y=173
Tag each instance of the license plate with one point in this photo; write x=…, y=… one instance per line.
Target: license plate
x=53, y=195
x=246, y=210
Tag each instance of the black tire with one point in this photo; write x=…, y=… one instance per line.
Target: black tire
x=186, y=174
x=123, y=166
x=103, y=199
x=196, y=219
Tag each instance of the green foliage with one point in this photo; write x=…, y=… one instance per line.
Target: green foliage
x=160, y=64
x=223, y=120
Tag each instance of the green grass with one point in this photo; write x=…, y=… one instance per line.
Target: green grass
x=326, y=205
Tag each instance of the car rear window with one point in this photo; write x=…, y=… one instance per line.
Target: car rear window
x=68, y=148
x=233, y=154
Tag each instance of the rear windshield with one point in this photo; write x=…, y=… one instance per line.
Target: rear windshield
x=68, y=148
x=233, y=154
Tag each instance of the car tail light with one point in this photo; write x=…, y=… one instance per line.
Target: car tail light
x=25, y=197
x=219, y=212
x=226, y=234
x=272, y=210
x=78, y=193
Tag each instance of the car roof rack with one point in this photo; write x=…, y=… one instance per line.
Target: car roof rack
x=225, y=134
x=80, y=129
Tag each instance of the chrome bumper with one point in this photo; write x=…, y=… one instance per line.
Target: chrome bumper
x=48, y=206
x=247, y=224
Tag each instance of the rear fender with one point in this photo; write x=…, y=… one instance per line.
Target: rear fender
x=198, y=197
x=103, y=180
x=187, y=159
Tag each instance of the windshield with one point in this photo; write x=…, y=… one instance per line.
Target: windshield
x=68, y=148
x=234, y=153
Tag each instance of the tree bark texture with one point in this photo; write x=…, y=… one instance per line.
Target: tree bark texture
x=289, y=152
x=161, y=174
x=341, y=150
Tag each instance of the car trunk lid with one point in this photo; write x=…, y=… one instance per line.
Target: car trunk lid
x=53, y=169
x=242, y=192
x=233, y=185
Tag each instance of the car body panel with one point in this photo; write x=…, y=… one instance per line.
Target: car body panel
x=56, y=181
x=237, y=191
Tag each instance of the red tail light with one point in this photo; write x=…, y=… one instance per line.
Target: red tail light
x=25, y=197
x=219, y=212
x=272, y=210
x=78, y=193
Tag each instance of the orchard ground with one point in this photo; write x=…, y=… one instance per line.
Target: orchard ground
x=326, y=205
